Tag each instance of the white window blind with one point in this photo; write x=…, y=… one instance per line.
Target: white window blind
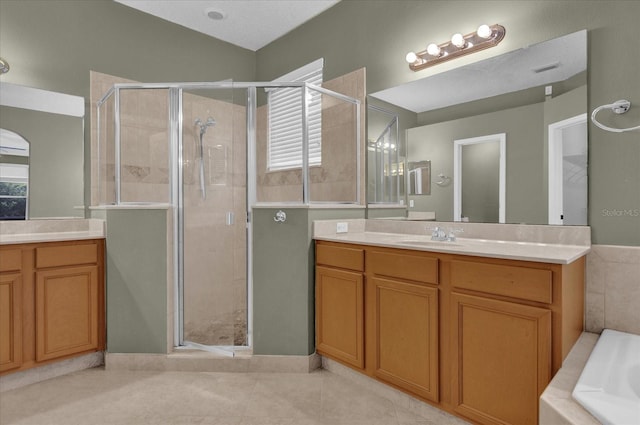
x=285, y=121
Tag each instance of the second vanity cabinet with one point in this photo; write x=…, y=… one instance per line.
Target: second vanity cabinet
x=51, y=302
x=478, y=337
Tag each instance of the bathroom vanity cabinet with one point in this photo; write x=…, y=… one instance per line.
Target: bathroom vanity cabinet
x=478, y=337
x=51, y=302
x=402, y=321
x=340, y=303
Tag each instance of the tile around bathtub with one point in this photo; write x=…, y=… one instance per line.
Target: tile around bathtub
x=622, y=297
x=594, y=312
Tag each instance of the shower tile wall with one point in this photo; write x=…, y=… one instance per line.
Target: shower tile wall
x=335, y=179
x=144, y=123
x=215, y=295
x=144, y=144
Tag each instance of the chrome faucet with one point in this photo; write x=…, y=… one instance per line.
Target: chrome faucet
x=438, y=234
x=441, y=234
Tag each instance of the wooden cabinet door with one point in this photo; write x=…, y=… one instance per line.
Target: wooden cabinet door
x=340, y=315
x=501, y=358
x=405, y=335
x=66, y=311
x=10, y=321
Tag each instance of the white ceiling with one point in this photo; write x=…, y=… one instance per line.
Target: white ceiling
x=251, y=24
x=507, y=73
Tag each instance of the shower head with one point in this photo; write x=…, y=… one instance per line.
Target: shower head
x=210, y=122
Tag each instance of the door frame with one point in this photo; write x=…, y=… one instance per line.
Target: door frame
x=555, y=187
x=458, y=144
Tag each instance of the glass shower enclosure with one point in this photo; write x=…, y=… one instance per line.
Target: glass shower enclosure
x=204, y=150
x=385, y=157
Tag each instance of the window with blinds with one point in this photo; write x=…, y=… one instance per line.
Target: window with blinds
x=285, y=121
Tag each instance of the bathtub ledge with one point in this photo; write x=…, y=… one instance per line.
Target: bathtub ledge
x=557, y=406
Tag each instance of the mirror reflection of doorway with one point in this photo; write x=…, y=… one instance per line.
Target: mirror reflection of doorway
x=479, y=179
x=568, y=171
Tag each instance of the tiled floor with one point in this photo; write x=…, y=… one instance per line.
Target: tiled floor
x=96, y=396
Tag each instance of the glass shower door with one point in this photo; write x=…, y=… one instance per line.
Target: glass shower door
x=212, y=220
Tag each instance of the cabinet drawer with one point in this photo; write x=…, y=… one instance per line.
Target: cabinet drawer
x=10, y=260
x=404, y=266
x=66, y=255
x=511, y=281
x=340, y=256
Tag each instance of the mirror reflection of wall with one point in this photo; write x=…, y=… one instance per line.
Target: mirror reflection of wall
x=53, y=124
x=385, y=172
x=504, y=94
x=480, y=182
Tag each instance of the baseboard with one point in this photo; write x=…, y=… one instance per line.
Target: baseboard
x=202, y=361
x=51, y=370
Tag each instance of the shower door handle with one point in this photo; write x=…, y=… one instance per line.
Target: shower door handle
x=231, y=218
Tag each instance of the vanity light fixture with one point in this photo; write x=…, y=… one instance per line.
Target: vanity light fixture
x=484, y=37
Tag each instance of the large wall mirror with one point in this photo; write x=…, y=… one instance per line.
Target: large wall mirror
x=537, y=97
x=41, y=154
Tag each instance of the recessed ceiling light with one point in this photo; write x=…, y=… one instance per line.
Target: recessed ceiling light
x=215, y=14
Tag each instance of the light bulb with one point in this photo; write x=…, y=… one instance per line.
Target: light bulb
x=411, y=57
x=458, y=40
x=433, y=49
x=484, y=31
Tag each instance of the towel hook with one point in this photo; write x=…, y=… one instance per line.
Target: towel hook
x=617, y=107
x=280, y=217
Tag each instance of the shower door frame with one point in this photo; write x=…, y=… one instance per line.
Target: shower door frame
x=175, y=91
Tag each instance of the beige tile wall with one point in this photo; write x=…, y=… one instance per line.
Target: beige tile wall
x=335, y=180
x=613, y=289
x=144, y=144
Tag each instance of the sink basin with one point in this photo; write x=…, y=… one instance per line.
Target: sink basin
x=439, y=244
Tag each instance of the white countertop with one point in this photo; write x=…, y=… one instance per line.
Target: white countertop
x=525, y=251
x=49, y=237
x=31, y=231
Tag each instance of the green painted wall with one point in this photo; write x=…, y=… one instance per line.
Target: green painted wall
x=281, y=283
x=283, y=279
x=136, y=281
x=380, y=33
x=53, y=44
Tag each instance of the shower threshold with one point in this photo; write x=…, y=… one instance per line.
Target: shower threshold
x=221, y=350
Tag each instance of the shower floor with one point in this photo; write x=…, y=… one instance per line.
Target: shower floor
x=227, y=329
